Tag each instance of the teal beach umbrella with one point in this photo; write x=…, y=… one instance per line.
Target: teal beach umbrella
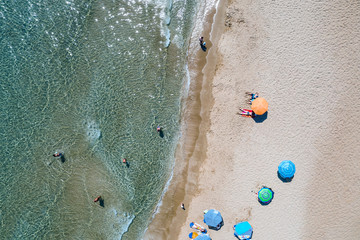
x=265, y=195
x=243, y=230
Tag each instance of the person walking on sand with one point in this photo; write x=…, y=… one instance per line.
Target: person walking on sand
x=182, y=206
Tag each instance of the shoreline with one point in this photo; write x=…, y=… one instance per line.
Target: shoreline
x=190, y=150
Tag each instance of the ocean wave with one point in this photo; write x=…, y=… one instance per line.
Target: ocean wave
x=122, y=222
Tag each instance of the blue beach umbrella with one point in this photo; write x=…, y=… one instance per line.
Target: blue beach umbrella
x=213, y=218
x=243, y=230
x=286, y=169
x=203, y=237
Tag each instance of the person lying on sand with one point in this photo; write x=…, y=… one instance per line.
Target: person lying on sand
x=198, y=227
x=247, y=113
x=253, y=96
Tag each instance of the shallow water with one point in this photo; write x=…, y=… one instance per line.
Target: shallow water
x=93, y=80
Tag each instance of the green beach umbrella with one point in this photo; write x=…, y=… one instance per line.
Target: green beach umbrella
x=265, y=195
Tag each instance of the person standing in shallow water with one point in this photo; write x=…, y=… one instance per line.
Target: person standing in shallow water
x=201, y=40
x=160, y=131
x=202, y=44
x=126, y=162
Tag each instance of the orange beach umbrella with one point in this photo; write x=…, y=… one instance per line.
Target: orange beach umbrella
x=259, y=106
x=193, y=235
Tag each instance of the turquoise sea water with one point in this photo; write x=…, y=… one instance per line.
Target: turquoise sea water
x=92, y=79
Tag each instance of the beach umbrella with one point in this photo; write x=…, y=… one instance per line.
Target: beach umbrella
x=243, y=230
x=203, y=237
x=265, y=195
x=193, y=235
x=213, y=218
x=286, y=169
x=259, y=106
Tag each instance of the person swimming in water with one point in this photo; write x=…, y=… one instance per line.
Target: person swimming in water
x=56, y=154
x=202, y=43
x=97, y=199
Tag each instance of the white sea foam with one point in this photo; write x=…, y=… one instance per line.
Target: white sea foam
x=166, y=187
x=121, y=219
x=92, y=131
x=187, y=82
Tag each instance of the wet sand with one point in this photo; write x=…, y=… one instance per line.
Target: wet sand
x=190, y=152
x=304, y=59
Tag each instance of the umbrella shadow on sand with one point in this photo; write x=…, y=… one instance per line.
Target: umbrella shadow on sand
x=285, y=180
x=260, y=118
x=218, y=227
x=264, y=204
x=243, y=238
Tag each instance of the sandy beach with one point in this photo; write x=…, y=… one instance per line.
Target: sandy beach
x=304, y=60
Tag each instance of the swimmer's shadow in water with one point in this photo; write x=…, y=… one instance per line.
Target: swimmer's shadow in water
x=161, y=133
x=62, y=159
x=101, y=202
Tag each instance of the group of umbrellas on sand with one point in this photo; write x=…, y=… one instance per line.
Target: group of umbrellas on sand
x=242, y=230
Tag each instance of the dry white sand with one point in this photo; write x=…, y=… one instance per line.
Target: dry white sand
x=304, y=59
